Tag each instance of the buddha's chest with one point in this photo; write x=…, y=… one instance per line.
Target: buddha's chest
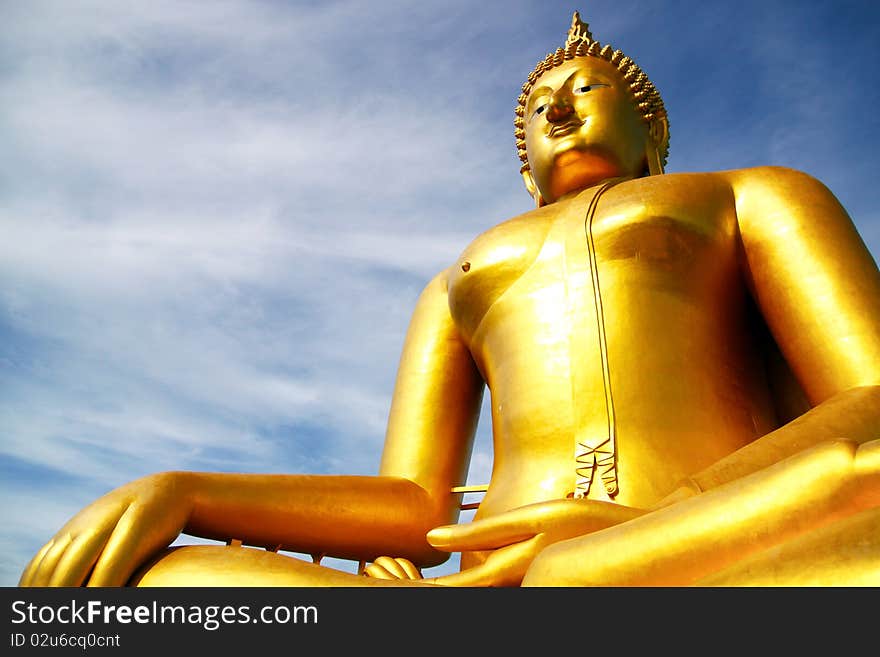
x=548, y=262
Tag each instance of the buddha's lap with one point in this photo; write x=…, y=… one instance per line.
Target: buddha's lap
x=221, y=565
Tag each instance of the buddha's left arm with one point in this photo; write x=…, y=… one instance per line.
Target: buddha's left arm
x=818, y=289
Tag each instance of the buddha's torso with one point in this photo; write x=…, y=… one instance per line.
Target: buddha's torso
x=686, y=383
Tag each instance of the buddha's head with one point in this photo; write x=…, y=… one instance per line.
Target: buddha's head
x=587, y=113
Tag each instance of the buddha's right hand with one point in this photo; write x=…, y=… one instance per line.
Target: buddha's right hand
x=104, y=543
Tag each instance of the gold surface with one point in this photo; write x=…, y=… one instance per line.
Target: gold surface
x=714, y=338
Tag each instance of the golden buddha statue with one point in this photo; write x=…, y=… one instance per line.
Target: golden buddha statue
x=683, y=372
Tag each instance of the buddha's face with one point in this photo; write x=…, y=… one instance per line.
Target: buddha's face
x=581, y=128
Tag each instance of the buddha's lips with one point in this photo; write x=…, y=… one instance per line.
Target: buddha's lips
x=564, y=128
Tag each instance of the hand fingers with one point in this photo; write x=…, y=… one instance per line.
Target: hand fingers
x=504, y=567
x=129, y=545
x=397, y=568
x=505, y=528
x=410, y=568
x=79, y=558
x=44, y=571
x=560, y=518
x=487, y=534
x=27, y=575
x=392, y=567
x=118, y=560
x=477, y=576
x=376, y=571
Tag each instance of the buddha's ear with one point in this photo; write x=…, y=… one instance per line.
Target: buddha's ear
x=658, y=134
x=533, y=188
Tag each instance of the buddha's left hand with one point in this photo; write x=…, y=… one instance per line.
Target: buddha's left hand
x=516, y=537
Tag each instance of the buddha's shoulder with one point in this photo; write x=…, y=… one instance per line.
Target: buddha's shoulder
x=532, y=225
x=707, y=189
x=727, y=180
x=688, y=182
x=774, y=180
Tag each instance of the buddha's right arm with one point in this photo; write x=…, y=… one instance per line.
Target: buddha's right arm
x=430, y=433
x=354, y=517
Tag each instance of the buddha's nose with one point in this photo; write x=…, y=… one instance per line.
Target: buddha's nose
x=560, y=106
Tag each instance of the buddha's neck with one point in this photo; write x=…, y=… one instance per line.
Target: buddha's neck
x=599, y=183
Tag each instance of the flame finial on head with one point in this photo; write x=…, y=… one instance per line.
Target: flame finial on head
x=579, y=31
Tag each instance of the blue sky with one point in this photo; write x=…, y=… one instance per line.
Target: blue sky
x=217, y=216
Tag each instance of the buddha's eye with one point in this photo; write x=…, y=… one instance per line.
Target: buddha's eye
x=587, y=88
x=540, y=109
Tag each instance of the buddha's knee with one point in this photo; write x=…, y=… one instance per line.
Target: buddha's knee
x=221, y=565
x=835, y=452
x=854, y=466
x=236, y=565
x=867, y=471
x=827, y=465
x=843, y=553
